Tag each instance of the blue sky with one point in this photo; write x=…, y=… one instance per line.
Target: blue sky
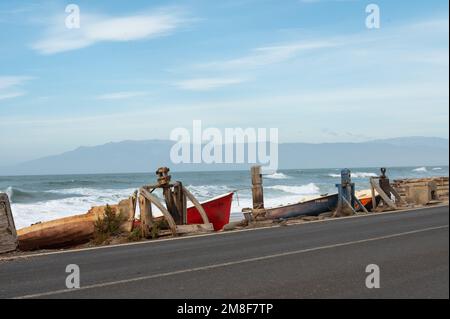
x=138, y=69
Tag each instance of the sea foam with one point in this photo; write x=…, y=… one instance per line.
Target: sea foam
x=356, y=175
x=309, y=189
x=277, y=176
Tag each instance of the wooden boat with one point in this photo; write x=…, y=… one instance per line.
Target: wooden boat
x=217, y=209
x=79, y=229
x=313, y=207
x=71, y=231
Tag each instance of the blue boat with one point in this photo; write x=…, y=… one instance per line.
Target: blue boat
x=311, y=207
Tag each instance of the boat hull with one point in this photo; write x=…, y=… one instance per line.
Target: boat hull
x=70, y=231
x=217, y=209
x=64, y=232
x=312, y=207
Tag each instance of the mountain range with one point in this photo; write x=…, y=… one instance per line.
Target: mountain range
x=148, y=155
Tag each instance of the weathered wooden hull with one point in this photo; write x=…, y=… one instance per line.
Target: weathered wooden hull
x=217, y=209
x=69, y=231
x=60, y=233
x=312, y=207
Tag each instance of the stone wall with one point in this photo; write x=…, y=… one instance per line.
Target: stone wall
x=439, y=185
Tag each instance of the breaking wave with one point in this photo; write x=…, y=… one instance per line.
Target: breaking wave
x=208, y=191
x=420, y=169
x=277, y=176
x=17, y=195
x=309, y=189
x=437, y=168
x=356, y=175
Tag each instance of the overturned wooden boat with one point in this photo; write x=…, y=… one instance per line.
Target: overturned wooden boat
x=313, y=207
x=73, y=230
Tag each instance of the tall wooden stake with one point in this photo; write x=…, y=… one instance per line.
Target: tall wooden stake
x=257, y=191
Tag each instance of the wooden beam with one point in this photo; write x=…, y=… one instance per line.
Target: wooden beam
x=196, y=204
x=383, y=195
x=154, y=200
x=361, y=205
x=145, y=208
x=374, y=197
x=257, y=188
x=196, y=228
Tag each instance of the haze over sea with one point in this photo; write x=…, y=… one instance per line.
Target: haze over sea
x=42, y=198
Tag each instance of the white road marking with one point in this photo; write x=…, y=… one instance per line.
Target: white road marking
x=231, y=263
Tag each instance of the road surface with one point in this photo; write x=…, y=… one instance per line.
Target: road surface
x=314, y=260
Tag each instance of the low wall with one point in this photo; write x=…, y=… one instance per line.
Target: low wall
x=442, y=189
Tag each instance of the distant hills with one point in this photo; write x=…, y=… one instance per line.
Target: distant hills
x=146, y=156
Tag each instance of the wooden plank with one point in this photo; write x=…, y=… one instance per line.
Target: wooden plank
x=8, y=234
x=195, y=228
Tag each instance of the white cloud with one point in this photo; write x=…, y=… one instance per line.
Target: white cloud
x=121, y=95
x=205, y=84
x=270, y=55
x=7, y=82
x=4, y=96
x=94, y=29
x=9, y=86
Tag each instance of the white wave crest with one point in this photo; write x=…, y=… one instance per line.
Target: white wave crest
x=309, y=189
x=420, y=170
x=437, y=168
x=207, y=191
x=277, y=176
x=356, y=175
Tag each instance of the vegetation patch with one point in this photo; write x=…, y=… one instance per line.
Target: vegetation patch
x=107, y=227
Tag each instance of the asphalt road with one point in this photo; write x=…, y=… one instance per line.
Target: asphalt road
x=315, y=260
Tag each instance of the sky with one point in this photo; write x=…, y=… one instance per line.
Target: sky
x=136, y=70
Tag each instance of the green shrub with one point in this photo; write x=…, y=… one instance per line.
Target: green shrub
x=136, y=234
x=107, y=227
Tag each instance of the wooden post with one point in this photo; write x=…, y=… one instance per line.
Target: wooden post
x=8, y=235
x=180, y=202
x=374, y=197
x=257, y=188
x=145, y=207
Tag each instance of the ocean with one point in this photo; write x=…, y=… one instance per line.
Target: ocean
x=42, y=198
